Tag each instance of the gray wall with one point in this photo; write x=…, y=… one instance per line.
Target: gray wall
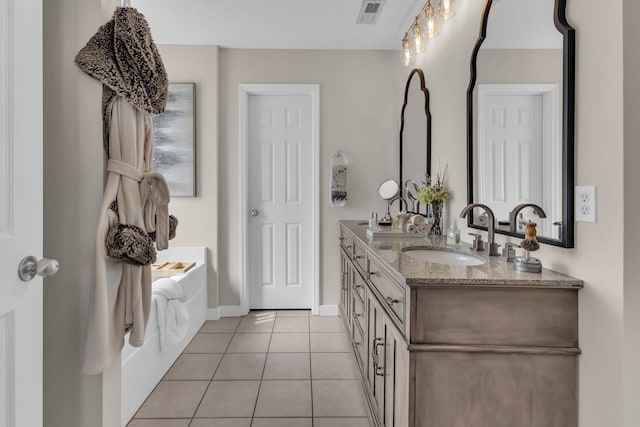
x=359, y=114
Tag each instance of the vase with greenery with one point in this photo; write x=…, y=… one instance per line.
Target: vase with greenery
x=434, y=194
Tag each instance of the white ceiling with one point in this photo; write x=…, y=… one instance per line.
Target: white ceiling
x=277, y=24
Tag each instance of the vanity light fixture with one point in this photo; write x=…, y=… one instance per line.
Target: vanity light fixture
x=426, y=25
x=431, y=21
x=408, y=56
x=447, y=9
x=419, y=38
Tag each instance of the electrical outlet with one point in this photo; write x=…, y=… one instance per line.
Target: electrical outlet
x=586, y=203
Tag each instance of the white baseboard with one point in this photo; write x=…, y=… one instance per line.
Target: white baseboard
x=213, y=314
x=328, y=310
x=231, y=311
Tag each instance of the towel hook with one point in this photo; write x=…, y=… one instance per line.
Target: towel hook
x=125, y=3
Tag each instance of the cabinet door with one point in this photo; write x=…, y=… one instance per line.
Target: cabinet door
x=375, y=342
x=396, y=376
x=345, y=286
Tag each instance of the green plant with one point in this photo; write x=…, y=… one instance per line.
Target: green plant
x=434, y=191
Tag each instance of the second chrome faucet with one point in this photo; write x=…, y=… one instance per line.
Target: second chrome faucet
x=493, y=246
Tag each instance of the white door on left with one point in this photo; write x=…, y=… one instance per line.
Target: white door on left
x=20, y=211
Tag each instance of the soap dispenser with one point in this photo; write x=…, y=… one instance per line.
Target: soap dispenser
x=529, y=244
x=453, y=236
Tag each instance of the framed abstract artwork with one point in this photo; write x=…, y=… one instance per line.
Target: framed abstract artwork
x=174, y=133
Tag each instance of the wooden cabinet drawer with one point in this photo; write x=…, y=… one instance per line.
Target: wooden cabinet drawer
x=393, y=294
x=346, y=243
x=358, y=284
x=358, y=341
x=359, y=314
x=359, y=256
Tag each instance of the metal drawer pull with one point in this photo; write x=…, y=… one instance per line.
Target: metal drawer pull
x=391, y=301
x=379, y=370
x=355, y=314
x=358, y=257
x=356, y=286
x=370, y=273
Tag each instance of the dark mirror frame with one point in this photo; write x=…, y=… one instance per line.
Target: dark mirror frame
x=427, y=113
x=568, y=125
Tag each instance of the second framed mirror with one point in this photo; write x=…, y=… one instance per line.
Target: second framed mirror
x=415, y=132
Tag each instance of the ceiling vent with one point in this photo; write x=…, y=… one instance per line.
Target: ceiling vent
x=369, y=11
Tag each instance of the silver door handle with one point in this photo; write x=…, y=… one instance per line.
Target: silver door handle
x=254, y=212
x=30, y=266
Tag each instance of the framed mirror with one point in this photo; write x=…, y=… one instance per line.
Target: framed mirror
x=415, y=132
x=520, y=118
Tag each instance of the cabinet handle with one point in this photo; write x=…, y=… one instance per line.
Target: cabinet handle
x=391, y=301
x=379, y=370
x=358, y=257
x=370, y=273
x=356, y=286
x=341, y=238
x=355, y=314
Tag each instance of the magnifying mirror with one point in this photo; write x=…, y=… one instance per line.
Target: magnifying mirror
x=411, y=190
x=388, y=191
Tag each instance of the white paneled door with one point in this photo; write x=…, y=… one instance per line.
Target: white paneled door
x=20, y=211
x=280, y=166
x=511, y=152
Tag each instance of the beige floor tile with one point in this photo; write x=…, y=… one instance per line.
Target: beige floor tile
x=284, y=399
x=338, y=398
x=329, y=342
x=294, y=313
x=159, y=423
x=225, y=324
x=287, y=366
x=333, y=366
x=221, y=422
x=173, y=399
x=282, y=422
x=289, y=343
x=249, y=343
x=241, y=367
x=256, y=324
x=194, y=367
x=291, y=324
x=325, y=324
x=209, y=343
x=340, y=422
x=226, y=399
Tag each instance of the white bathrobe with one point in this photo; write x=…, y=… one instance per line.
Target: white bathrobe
x=121, y=293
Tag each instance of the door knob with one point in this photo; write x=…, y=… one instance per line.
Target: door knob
x=30, y=266
x=254, y=212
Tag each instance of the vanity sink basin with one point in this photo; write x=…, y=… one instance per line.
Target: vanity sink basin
x=442, y=257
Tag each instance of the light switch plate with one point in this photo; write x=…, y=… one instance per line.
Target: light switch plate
x=586, y=203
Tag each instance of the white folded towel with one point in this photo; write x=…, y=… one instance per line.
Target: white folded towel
x=417, y=220
x=412, y=228
x=423, y=228
x=173, y=316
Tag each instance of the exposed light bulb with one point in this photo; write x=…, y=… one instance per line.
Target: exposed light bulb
x=418, y=38
x=408, y=58
x=431, y=22
x=447, y=9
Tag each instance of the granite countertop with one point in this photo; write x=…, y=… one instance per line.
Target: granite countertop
x=495, y=272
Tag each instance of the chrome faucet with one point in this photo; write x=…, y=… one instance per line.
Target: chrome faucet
x=513, y=215
x=493, y=246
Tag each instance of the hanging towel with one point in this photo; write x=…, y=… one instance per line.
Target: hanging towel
x=173, y=316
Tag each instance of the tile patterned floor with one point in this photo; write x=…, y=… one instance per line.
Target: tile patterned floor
x=267, y=369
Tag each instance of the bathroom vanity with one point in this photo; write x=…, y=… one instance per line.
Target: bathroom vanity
x=443, y=344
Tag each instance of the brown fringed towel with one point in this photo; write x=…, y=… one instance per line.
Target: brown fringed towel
x=123, y=56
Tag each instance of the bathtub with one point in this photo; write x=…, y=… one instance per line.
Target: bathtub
x=143, y=367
